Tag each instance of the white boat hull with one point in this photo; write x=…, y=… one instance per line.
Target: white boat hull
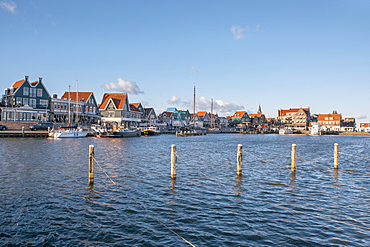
x=70, y=134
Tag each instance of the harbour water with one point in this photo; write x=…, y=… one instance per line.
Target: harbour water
x=45, y=200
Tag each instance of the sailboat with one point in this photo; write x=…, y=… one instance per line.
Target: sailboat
x=70, y=131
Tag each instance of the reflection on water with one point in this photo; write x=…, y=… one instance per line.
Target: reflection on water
x=45, y=198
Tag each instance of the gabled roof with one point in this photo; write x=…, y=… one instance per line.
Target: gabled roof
x=255, y=115
x=82, y=96
x=201, y=113
x=136, y=104
x=34, y=83
x=134, y=108
x=118, y=100
x=18, y=83
x=238, y=114
x=293, y=110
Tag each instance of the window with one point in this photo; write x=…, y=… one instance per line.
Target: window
x=110, y=113
x=25, y=101
x=44, y=103
x=39, y=92
x=18, y=101
x=32, y=92
x=26, y=91
x=33, y=103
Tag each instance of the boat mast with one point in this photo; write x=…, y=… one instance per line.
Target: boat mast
x=211, y=112
x=194, y=107
x=77, y=106
x=69, y=104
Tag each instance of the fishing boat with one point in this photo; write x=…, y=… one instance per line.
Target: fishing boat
x=151, y=131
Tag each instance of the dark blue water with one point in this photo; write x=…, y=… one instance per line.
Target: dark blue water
x=45, y=200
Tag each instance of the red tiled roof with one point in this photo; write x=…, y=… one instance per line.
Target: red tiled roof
x=201, y=113
x=18, y=83
x=292, y=110
x=135, y=104
x=82, y=96
x=255, y=115
x=118, y=100
x=34, y=83
x=134, y=108
x=238, y=114
x=336, y=117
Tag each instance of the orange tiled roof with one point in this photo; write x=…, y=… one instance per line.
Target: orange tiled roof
x=292, y=110
x=134, y=108
x=135, y=104
x=118, y=100
x=239, y=114
x=82, y=96
x=34, y=83
x=336, y=117
x=201, y=113
x=18, y=83
x=255, y=115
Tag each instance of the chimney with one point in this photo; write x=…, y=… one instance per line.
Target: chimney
x=40, y=79
x=55, y=96
x=26, y=77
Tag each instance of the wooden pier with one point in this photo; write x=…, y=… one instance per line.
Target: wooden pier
x=27, y=133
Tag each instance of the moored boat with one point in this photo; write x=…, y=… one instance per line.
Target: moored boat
x=150, y=131
x=68, y=132
x=285, y=131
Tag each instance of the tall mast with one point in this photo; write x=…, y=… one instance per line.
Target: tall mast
x=211, y=112
x=77, y=106
x=194, y=107
x=69, y=104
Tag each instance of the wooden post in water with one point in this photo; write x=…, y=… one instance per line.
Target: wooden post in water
x=22, y=131
x=173, y=161
x=294, y=157
x=91, y=165
x=336, y=156
x=239, y=160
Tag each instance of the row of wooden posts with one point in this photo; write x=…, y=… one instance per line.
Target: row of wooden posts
x=239, y=160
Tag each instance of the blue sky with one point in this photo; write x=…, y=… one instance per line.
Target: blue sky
x=241, y=53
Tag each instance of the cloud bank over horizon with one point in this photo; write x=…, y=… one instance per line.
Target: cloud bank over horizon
x=123, y=86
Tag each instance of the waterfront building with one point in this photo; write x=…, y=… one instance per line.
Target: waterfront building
x=75, y=107
x=348, y=124
x=241, y=120
x=141, y=108
x=26, y=101
x=295, y=118
x=330, y=122
x=173, y=117
x=115, y=109
x=364, y=127
x=150, y=117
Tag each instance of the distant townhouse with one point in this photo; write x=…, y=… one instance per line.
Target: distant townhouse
x=364, y=127
x=330, y=122
x=141, y=108
x=75, y=107
x=296, y=118
x=173, y=117
x=150, y=117
x=26, y=101
x=348, y=124
x=115, y=108
x=203, y=119
x=241, y=120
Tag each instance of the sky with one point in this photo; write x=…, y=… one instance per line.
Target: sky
x=240, y=53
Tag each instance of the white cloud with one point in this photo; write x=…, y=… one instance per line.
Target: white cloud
x=238, y=31
x=8, y=6
x=361, y=117
x=174, y=100
x=123, y=85
x=193, y=69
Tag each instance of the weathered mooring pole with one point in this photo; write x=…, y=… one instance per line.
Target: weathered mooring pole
x=239, y=160
x=173, y=161
x=294, y=157
x=336, y=156
x=91, y=165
